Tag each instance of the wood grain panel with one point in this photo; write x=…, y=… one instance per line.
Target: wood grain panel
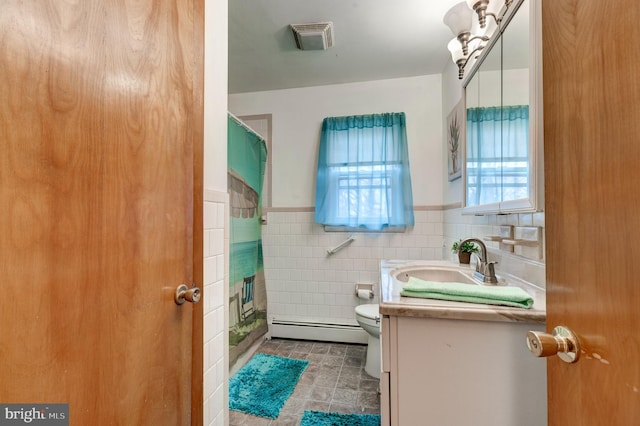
x=97, y=190
x=197, y=338
x=592, y=123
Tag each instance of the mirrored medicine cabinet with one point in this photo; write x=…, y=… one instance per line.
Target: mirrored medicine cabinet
x=503, y=170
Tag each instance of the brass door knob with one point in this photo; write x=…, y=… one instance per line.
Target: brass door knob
x=186, y=294
x=562, y=342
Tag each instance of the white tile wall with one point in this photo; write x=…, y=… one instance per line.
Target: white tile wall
x=304, y=283
x=458, y=226
x=216, y=329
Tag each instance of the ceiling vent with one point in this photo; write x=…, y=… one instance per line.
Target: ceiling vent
x=316, y=36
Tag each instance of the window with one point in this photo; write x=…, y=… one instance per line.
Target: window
x=363, y=173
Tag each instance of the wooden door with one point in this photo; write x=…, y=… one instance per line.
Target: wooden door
x=100, y=158
x=592, y=184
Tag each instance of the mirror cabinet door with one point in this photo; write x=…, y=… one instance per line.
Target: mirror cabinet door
x=500, y=158
x=516, y=152
x=484, y=133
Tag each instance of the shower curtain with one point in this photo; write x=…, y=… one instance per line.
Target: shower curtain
x=246, y=159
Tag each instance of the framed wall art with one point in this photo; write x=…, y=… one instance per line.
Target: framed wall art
x=455, y=140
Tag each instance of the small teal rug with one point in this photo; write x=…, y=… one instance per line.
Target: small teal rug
x=318, y=418
x=264, y=384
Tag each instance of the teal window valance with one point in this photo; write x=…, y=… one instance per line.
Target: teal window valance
x=363, y=172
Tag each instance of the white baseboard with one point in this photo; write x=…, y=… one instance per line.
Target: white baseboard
x=305, y=330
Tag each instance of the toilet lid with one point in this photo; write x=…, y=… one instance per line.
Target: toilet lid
x=368, y=311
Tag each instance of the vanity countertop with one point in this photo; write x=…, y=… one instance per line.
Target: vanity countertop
x=391, y=303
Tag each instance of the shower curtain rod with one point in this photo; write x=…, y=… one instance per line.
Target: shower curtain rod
x=243, y=124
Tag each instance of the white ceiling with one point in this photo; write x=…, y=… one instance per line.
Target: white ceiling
x=373, y=40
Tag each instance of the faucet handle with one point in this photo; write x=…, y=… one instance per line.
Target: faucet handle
x=490, y=273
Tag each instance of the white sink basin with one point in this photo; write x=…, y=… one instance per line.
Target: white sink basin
x=432, y=273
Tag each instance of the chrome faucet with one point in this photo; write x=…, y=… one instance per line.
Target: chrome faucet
x=485, y=270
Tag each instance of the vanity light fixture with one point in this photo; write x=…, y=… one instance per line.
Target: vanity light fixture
x=471, y=36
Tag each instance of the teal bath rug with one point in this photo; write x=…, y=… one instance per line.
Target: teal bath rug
x=318, y=418
x=264, y=384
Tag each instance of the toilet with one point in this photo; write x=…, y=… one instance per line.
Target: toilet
x=369, y=318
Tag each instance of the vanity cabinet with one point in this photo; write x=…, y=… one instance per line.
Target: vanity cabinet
x=439, y=371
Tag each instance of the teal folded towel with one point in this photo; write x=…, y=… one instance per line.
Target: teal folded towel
x=459, y=292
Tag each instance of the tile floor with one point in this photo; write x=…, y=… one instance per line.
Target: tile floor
x=334, y=381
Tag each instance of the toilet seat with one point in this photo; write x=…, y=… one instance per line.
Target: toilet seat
x=369, y=311
x=368, y=317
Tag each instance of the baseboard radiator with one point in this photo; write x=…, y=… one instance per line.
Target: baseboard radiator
x=309, y=330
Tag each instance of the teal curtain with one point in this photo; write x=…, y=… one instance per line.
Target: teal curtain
x=364, y=179
x=497, y=154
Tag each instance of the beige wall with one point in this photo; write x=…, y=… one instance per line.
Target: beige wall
x=297, y=116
